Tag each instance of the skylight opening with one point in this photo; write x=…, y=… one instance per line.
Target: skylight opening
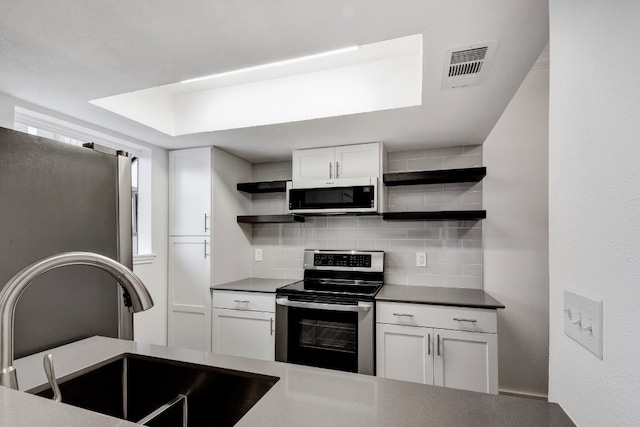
x=353, y=80
x=275, y=64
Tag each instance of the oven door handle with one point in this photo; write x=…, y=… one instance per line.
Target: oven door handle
x=362, y=306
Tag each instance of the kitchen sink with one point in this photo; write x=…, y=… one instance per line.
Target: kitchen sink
x=132, y=387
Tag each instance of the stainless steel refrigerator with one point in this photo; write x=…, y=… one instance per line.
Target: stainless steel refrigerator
x=56, y=197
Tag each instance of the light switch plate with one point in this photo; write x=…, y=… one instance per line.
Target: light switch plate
x=583, y=321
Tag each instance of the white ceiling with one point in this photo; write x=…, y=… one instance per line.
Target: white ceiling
x=62, y=54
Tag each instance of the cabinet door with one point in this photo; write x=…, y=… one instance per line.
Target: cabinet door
x=404, y=353
x=358, y=161
x=466, y=360
x=316, y=163
x=244, y=333
x=189, y=302
x=190, y=192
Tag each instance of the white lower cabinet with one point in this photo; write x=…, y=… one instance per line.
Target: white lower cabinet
x=243, y=324
x=189, y=282
x=416, y=342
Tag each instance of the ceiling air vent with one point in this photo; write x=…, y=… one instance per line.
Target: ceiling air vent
x=467, y=66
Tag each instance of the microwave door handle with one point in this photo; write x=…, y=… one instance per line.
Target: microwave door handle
x=362, y=306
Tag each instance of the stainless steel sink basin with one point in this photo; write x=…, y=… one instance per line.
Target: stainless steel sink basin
x=132, y=387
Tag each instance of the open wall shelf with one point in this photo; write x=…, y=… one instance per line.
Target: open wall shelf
x=262, y=187
x=269, y=219
x=436, y=215
x=435, y=176
x=442, y=176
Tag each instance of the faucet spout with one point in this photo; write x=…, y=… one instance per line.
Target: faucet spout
x=137, y=297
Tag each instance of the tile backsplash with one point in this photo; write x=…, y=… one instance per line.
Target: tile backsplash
x=454, y=248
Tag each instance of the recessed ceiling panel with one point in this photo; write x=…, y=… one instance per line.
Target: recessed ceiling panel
x=373, y=77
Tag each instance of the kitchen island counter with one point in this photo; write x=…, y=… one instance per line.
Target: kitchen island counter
x=254, y=284
x=303, y=396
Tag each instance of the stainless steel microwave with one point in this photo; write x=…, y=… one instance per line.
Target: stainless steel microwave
x=350, y=195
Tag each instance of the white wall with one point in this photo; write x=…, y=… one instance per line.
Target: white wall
x=515, y=236
x=594, y=204
x=230, y=241
x=150, y=326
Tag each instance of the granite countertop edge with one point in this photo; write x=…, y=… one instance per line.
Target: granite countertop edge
x=254, y=284
x=434, y=295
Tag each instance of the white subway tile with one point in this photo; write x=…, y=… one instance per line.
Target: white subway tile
x=406, y=245
x=470, y=282
x=406, y=155
x=395, y=279
x=435, y=163
x=467, y=161
x=472, y=270
x=397, y=166
x=347, y=222
x=424, y=280
x=445, y=151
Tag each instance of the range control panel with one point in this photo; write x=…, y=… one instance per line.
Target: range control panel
x=323, y=259
x=342, y=260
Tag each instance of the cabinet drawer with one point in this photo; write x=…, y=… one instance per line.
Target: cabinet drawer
x=249, y=301
x=437, y=316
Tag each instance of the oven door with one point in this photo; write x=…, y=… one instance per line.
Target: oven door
x=333, y=334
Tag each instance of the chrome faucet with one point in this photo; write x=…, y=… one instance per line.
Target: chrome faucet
x=137, y=298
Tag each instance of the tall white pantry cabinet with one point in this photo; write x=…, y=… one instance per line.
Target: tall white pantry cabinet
x=206, y=244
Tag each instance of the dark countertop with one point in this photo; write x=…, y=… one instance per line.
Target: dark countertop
x=303, y=396
x=458, y=297
x=254, y=284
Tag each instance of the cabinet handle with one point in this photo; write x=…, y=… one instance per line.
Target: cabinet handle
x=465, y=320
x=337, y=169
x=330, y=171
x=429, y=344
x=241, y=301
x=205, y=249
x=438, y=344
x=206, y=217
x=403, y=315
x=271, y=324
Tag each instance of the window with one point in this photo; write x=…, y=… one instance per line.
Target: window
x=41, y=125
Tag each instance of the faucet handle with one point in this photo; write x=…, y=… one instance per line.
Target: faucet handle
x=51, y=376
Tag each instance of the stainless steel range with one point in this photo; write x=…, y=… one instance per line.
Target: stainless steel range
x=328, y=319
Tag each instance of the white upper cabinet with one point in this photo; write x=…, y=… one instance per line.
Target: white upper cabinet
x=316, y=163
x=357, y=161
x=348, y=161
x=190, y=192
